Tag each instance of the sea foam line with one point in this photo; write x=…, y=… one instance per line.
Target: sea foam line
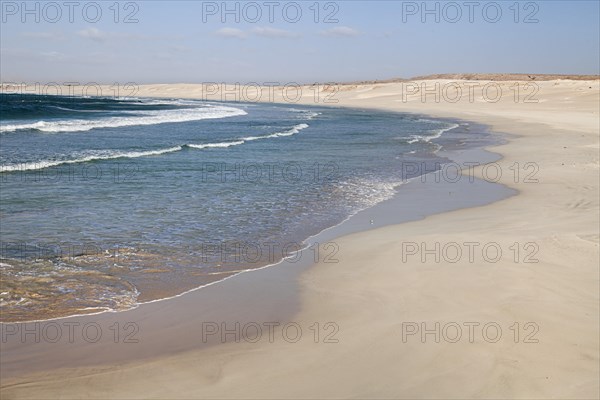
x=215, y=145
x=440, y=132
x=52, y=163
x=146, y=118
x=289, y=132
x=108, y=155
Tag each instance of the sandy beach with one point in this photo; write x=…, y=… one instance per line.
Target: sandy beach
x=493, y=301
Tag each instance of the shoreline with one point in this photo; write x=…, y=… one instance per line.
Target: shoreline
x=353, y=223
x=481, y=157
x=388, y=295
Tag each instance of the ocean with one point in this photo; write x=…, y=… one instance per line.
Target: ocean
x=106, y=203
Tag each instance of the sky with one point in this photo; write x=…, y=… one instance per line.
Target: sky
x=287, y=41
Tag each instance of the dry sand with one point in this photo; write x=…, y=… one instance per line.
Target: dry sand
x=372, y=294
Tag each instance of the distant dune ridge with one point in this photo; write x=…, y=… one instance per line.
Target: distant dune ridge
x=481, y=77
x=508, y=77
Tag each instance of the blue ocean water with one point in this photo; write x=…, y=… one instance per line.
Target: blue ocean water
x=107, y=202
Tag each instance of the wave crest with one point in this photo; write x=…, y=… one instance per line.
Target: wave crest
x=140, y=118
x=108, y=154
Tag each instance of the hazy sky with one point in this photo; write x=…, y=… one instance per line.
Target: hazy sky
x=282, y=41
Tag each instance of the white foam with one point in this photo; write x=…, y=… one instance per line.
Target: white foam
x=368, y=191
x=289, y=132
x=437, y=134
x=146, y=118
x=243, y=140
x=216, y=145
x=442, y=131
x=102, y=155
x=307, y=114
x=108, y=154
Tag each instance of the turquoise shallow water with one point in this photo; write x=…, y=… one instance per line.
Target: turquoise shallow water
x=107, y=202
